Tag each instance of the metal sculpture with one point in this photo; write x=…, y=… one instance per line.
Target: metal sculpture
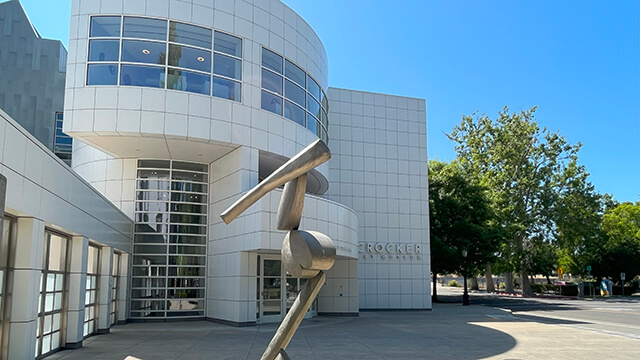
x=305, y=254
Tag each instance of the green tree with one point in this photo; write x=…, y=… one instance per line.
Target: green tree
x=461, y=219
x=621, y=251
x=522, y=166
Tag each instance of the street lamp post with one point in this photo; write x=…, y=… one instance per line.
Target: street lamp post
x=465, y=295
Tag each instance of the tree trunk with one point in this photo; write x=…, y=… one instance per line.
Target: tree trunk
x=508, y=282
x=490, y=287
x=526, y=284
x=548, y=280
x=434, y=293
x=474, y=283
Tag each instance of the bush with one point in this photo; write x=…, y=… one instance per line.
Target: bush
x=453, y=283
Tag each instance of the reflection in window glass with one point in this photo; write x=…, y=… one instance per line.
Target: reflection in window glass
x=313, y=106
x=312, y=125
x=271, y=81
x=313, y=87
x=188, y=81
x=105, y=26
x=104, y=50
x=227, y=66
x=294, y=92
x=227, y=44
x=187, y=57
x=294, y=112
x=144, y=52
x=190, y=35
x=293, y=72
x=102, y=74
x=148, y=76
x=271, y=103
x=144, y=28
x=271, y=60
x=226, y=89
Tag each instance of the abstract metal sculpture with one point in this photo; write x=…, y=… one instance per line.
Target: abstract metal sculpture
x=305, y=254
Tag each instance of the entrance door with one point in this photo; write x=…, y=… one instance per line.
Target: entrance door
x=277, y=291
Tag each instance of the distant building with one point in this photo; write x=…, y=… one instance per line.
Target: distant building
x=32, y=76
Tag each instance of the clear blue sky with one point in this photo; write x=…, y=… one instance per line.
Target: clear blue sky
x=577, y=60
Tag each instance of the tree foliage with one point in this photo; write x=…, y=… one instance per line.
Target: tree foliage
x=461, y=219
x=526, y=170
x=621, y=251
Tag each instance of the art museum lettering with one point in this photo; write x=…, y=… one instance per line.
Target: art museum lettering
x=389, y=248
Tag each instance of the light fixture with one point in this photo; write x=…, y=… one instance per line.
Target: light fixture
x=146, y=52
x=200, y=58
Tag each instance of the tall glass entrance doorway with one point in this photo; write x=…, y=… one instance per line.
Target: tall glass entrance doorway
x=276, y=291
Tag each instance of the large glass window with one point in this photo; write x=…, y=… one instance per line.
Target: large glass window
x=115, y=281
x=271, y=60
x=226, y=89
x=294, y=112
x=144, y=52
x=102, y=74
x=183, y=46
x=52, y=291
x=105, y=26
x=104, y=50
x=227, y=66
x=170, y=240
x=227, y=44
x=188, y=57
x=188, y=81
x=190, y=35
x=147, y=76
x=144, y=28
x=91, y=291
x=303, y=99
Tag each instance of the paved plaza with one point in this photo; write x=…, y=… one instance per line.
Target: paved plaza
x=450, y=331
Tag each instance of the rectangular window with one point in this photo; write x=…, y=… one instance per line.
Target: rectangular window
x=102, y=74
x=294, y=93
x=271, y=103
x=271, y=60
x=144, y=52
x=144, y=28
x=91, y=291
x=227, y=44
x=190, y=35
x=313, y=106
x=52, y=290
x=131, y=75
x=312, y=124
x=227, y=66
x=313, y=88
x=293, y=72
x=272, y=82
x=189, y=81
x=104, y=50
x=105, y=26
x=188, y=57
x=226, y=89
x=294, y=112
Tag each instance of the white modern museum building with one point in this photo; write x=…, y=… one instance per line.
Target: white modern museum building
x=177, y=107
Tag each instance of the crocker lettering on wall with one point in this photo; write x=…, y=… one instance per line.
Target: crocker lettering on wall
x=389, y=248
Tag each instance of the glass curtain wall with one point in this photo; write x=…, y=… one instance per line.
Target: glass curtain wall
x=91, y=291
x=169, y=256
x=115, y=275
x=50, y=330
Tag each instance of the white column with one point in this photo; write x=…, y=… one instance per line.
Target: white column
x=77, y=290
x=26, y=288
x=123, y=289
x=104, y=290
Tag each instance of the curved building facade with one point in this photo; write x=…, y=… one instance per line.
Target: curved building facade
x=179, y=107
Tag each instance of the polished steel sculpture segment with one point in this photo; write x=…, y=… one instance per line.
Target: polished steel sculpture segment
x=305, y=254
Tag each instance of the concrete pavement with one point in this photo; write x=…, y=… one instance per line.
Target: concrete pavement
x=450, y=331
